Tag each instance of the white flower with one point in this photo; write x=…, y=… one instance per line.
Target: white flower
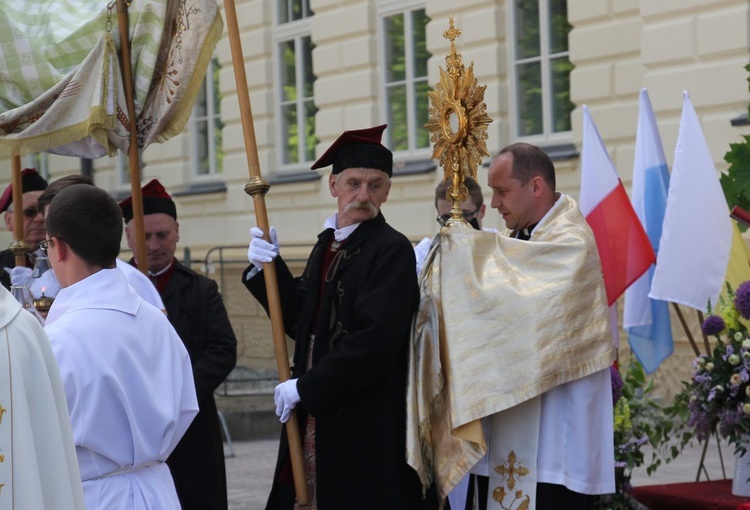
x=738, y=336
x=734, y=359
x=746, y=408
x=746, y=343
x=709, y=366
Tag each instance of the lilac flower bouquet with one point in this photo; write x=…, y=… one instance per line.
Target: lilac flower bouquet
x=718, y=395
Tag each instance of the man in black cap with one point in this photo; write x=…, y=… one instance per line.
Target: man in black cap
x=33, y=225
x=350, y=314
x=196, y=310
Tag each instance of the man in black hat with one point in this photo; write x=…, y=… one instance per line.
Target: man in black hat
x=196, y=310
x=33, y=225
x=350, y=314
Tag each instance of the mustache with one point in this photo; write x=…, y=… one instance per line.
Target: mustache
x=365, y=206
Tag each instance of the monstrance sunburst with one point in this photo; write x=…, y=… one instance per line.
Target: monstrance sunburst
x=458, y=123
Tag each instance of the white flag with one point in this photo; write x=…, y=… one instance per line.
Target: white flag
x=697, y=233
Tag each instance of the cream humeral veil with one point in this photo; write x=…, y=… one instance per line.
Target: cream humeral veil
x=500, y=322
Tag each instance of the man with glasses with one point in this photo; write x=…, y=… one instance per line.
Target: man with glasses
x=126, y=374
x=473, y=208
x=33, y=224
x=140, y=282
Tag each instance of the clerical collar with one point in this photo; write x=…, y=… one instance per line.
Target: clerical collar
x=525, y=233
x=339, y=234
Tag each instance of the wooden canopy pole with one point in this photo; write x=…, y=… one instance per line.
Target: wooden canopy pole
x=18, y=247
x=133, y=157
x=257, y=187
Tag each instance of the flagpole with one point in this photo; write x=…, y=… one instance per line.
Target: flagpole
x=257, y=188
x=18, y=247
x=705, y=337
x=133, y=159
x=687, y=330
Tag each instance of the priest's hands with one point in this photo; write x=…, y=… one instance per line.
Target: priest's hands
x=19, y=275
x=260, y=251
x=286, y=397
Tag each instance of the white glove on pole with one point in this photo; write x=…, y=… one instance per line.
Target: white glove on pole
x=19, y=275
x=286, y=397
x=260, y=251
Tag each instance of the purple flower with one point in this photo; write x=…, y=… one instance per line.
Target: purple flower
x=713, y=325
x=616, y=384
x=742, y=299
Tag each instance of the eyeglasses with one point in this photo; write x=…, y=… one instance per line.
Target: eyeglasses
x=29, y=212
x=43, y=246
x=467, y=215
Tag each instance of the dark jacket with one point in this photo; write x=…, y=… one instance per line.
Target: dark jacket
x=356, y=388
x=196, y=310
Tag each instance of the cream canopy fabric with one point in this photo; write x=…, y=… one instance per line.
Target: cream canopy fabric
x=61, y=87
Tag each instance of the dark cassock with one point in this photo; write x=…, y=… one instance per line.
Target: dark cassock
x=196, y=310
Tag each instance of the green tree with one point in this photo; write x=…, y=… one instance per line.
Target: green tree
x=736, y=182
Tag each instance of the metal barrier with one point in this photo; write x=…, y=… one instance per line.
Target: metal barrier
x=256, y=370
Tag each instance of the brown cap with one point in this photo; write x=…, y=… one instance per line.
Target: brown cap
x=30, y=181
x=358, y=148
x=155, y=200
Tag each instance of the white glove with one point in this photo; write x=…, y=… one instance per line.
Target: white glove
x=19, y=275
x=260, y=251
x=286, y=397
x=48, y=282
x=421, y=250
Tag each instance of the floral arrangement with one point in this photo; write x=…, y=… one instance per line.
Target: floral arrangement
x=638, y=421
x=718, y=395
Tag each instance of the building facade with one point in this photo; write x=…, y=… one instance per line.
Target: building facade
x=318, y=67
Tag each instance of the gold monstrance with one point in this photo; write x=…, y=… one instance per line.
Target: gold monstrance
x=458, y=123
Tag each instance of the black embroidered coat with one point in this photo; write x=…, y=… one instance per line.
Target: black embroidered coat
x=196, y=310
x=356, y=388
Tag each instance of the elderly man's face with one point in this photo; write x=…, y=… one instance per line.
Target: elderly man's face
x=360, y=192
x=162, y=234
x=33, y=224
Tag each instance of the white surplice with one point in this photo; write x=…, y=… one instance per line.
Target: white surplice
x=39, y=467
x=129, y=388
x=141, y=283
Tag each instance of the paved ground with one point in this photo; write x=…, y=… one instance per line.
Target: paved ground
x=250, y=470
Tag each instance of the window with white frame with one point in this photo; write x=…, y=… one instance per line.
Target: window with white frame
x=205, y=126
x=541, y=68
x=295, y=78
x=405, y=85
